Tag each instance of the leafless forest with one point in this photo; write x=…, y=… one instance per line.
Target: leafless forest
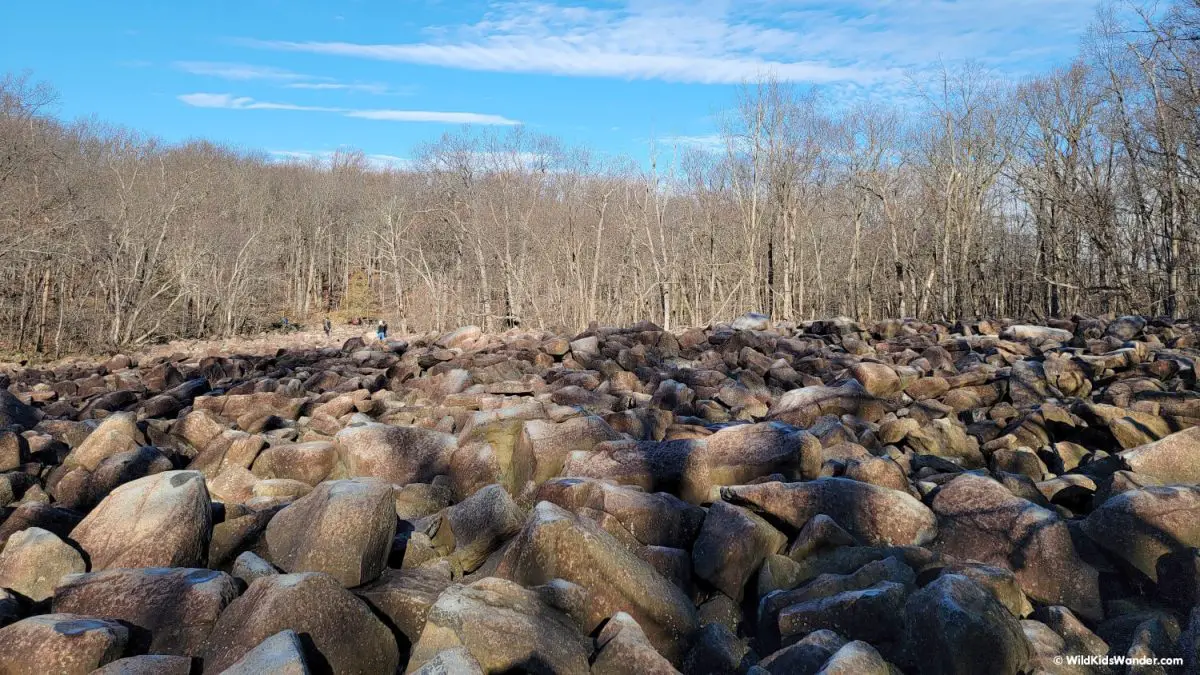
x=1076, y=192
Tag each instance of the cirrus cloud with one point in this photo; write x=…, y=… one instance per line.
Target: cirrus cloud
x=231, y=102
x=859, y=43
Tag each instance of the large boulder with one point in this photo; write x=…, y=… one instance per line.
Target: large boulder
x=1140, y=526
x=806, y=656
x=549, y=443
x=740, y=454
x=176, y=608
x=732, y=546
x=341, y=628
x=147, y=664
x=34, y=560
x=343, y=528
x=873, y=614
x=63, y=644
x=81, y=488
x=454, y=661
x=117, y=433
x=1172, y=460
x=654, y=466
x=505, y=628
x=1023, y=333
x=871, y=575
x=246, y=409
x=803, y=407
x=309, y=463
x=15, y=413
x=280, y=654
x=979, y=519
x=878, y=379
x=955, y=627
x=405, y=596
x=228, y=450
x=399, y=455
x=164, y=520
x=875, y=515
x=554, y=544
x=479, y=525
x=653, y=518
x=623, y=649
x=37, y=514
x=856, y=658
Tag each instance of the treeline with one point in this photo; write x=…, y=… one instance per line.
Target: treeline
x=1072, y=193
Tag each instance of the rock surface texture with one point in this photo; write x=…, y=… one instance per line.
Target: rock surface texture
x=750, y=497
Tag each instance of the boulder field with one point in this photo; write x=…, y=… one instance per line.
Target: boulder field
x=823, y=497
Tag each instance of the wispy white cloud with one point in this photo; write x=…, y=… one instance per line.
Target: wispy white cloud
x=563, y=57
x=706, y=142
x=428, y=116
x=239, y=71
x=855, y=42
x=231, y=102
x=377, y=162
x=341, y=86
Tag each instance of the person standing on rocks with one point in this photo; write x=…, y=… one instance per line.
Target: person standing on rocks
x=381, y=330
x=328, y=328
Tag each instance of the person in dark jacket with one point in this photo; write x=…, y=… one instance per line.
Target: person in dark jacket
x=328, y=328
x=381, y=330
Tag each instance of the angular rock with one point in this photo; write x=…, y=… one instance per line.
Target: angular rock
x=549, y=444
x=405, y=597
x=248, y=567
x=804, y=657
x=825, y=586
x=1078, y=638
x=1140, y=526
x=66, y=644
x=554, y=544
x=453, y=661
x=399, y=455
x=505, y=628
x=740, y=454
x=117, y=433
x=174, y=608
x=874, y=614
x=732, y=546
x=280, y=654
x=716, y=650
x=34, y=560
x=343, y=528
x=654, y=519
x=342, y=629
x=978, y=519
x=623, y=649
x=36, y=514
x=873, y=514
x=15, y=413
x=802, y=407
x=147, y=665
x=479, y=525
x=164, y=520
x=309, y=463
x=83, y=489
x=1172, y=460
x=955, y=626
x=856, y=658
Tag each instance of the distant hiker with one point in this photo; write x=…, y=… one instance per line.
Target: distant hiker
x=284, y=323
x=328, y=328
x=381, y=330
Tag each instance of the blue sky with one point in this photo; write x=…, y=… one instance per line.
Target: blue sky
x=299, y=77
